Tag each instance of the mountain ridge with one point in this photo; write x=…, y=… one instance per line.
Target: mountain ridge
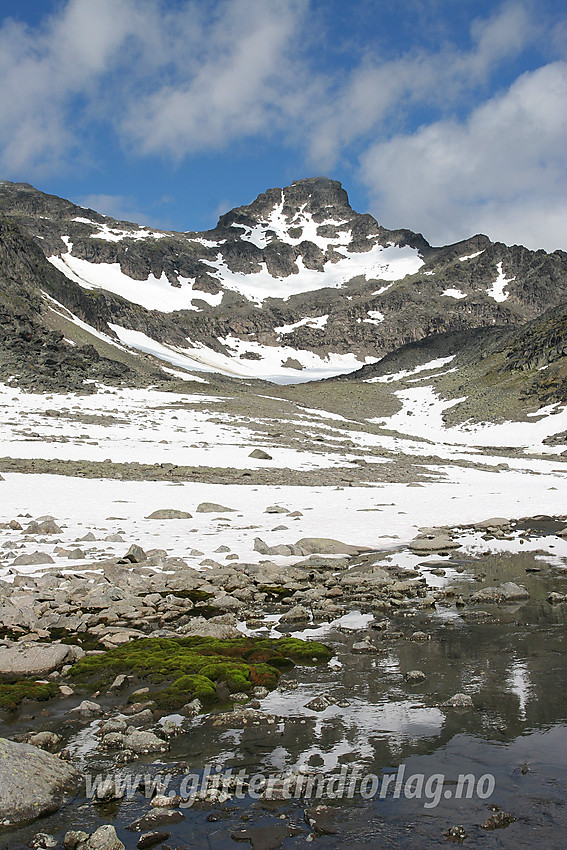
x=293, y=286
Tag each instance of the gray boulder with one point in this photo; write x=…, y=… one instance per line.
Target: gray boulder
x=135, y=554
x=169, y=513
x=32, y=782
x=493, y=522
x=32, y=559
x=328, y=546
x=212, y=508
x=297, y=614
x=35, y=659
x=506, y=592
x=144, y=742
x=459, y=701
x=104, y=838
x=223, y=628
x=47, y=525
x=47, y=741
x=432, y=543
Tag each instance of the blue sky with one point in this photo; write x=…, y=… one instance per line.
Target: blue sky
x=448, y=117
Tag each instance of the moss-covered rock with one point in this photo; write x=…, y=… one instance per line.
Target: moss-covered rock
x=193, y=666
x=12, y=694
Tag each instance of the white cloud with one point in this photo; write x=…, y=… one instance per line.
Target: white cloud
x=502, y=171
x=177, y=79
x=241, y=81
x=378, y=93
x=169, y=82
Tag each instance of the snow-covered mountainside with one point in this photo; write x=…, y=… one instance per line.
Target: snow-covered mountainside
x=292, y=287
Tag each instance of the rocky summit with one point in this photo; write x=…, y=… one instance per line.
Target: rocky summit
x=282, y=512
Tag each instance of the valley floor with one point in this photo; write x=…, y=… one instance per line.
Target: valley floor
x=407, y=499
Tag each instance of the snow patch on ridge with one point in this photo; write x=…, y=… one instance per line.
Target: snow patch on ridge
x=152, y=293
x=381, y=263
x=407, y=373
x=496, y=291
x=318, y=322
x=454, y=293
x=471, y=256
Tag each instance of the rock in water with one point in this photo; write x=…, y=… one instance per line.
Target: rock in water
x=104, y=838
x=32, y=782
x=506, y=592
x=433, y=543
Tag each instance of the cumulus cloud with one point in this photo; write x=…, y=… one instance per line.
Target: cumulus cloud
x=178, y=79
x=42, y=73
x=502, y=170
x=378, y=92
x=244, y=81
x=170, y=82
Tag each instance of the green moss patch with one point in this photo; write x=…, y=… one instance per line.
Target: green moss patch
x=12, y=694
x=194, y=666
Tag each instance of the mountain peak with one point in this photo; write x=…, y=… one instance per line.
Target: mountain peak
x=318, y=199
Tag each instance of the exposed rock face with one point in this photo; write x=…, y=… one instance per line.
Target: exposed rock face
x=32, y=782
x=313, y=276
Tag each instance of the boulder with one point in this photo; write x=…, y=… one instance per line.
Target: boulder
x=432, y=543
x=212, y=508
x=32, y=782
x=414, y=676
x=459, y=701
x=169, y=513
x=259, y=454
x=35, y=659
x=46, y=526
x=281, y=549
x=47, y=741
x=87, y=708
x=135, y=554
x=297, y=614
x=555, y=598
x=225, y=630
x=494, y=522
x=328, y=546
x=366, y=580
x=318, y=703
x=104, y=838
x=363, y=646
x=144, y=742
x=506, y=592
x=33, y=559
